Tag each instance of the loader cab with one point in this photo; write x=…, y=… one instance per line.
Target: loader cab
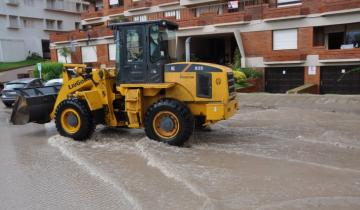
x=142, y=50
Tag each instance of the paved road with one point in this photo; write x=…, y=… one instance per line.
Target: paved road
x=7, y=76
x=278, y=152
x=35, y=175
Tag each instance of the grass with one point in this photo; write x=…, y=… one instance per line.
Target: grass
x=5, y=66
x=242, y=85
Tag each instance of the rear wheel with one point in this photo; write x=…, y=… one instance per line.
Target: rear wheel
x=169, y=121
x=74, y=119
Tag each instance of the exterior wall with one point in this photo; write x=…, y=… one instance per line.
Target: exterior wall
x=252, y=25
x=30, y=35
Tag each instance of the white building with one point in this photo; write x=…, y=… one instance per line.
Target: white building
x=25, y=25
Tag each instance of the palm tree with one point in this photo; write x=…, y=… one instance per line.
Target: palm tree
x=65, y=52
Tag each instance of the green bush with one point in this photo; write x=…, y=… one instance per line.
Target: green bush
x=50, y=70
x=251, y=73
x=34, y=56
x=239, y=76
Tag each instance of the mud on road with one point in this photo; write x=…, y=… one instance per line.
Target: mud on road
x=277, y=152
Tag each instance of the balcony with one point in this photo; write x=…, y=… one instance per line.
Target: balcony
x=99, y=31
x=221, y=14
x=342, y=54
x=64, y=6
x=139, y=5
x=328, y=6
x=273, y=12
x=12, y=2
x=116, y=10
x=92, y=13
x=190, y=3
x=162, y=3
x=290, y=56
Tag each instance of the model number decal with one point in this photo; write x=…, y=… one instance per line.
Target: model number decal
x=199, y=68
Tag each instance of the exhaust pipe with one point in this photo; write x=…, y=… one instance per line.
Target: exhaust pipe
x=187, y=49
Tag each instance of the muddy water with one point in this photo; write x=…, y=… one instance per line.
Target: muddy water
x=278, y=152
x=35, y=175
x=265, y=157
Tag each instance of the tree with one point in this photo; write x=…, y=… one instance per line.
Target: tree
x=65, y=52
x=236, y=59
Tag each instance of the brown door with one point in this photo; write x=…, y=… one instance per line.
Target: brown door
x=280, y=80
x=339, y=80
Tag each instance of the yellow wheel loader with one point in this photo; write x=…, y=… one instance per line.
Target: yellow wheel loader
x=144, y=90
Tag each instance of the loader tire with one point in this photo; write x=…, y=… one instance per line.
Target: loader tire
x=73, y=119
x=169, y=121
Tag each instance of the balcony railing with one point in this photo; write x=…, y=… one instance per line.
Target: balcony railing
x=221, y=13
x=139, y=4
x=64, y=6
x=12, y=2
x=335, y=5
x=288, y=3
x=92, y=14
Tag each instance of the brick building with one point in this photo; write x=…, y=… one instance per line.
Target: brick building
x=293, y=42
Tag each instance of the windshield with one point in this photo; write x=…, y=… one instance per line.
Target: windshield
x=12, y=86
x=162, y=41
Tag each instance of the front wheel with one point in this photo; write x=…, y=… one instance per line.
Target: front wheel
x=74, y=119
x=169, y=121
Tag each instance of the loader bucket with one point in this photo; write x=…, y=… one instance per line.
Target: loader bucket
x=34, y=105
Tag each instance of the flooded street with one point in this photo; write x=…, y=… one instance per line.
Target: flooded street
x=277, y=152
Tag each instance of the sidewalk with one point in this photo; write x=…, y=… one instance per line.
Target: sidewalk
x=12, y=74
x=332, y=103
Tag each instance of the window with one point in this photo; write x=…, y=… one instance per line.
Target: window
x=115, y=3
x=27, y=23
x=13, y=21
x=285, y=39
x=173, y=13
x=335, y=40
x=112, y=52
x=140, y=18
x=99, y=5
x=353, y=35
x=85, y=7
x=78, y=7
x=50, y=24
x=155, y=54
x=29, y=2
x=63, y=59
x=77, y=25
x=89, y=54
x=319, y=36
x=284, y=3
x=36, y=83
x=134, y=46
x=216, y=9
x=59, y=24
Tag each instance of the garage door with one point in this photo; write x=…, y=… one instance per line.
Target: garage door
x=280, y=80
x=333, y=80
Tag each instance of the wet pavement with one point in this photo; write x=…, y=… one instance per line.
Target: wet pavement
x=277, y=152
x=10, y=75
